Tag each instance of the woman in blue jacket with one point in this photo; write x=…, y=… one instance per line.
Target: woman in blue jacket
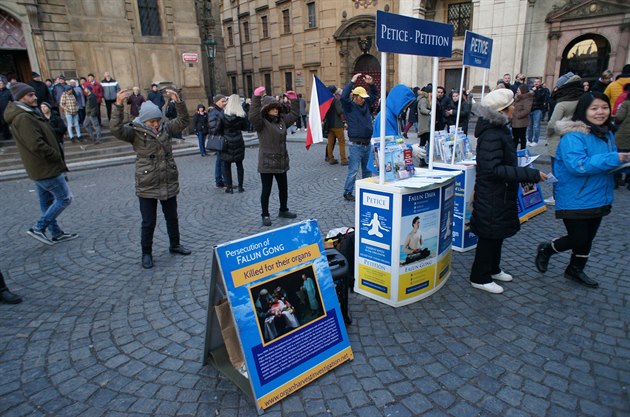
x=584, y=192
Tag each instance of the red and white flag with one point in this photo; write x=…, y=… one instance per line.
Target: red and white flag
x=321, y=99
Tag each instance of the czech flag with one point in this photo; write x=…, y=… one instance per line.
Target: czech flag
x=321, y=99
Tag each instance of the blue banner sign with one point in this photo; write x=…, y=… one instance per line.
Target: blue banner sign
x=412, y=36
x=477, y=50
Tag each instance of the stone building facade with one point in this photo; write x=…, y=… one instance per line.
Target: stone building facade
x=138, y=42
x=281, y=43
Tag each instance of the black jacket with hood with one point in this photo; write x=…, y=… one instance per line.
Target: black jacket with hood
x=495, y=211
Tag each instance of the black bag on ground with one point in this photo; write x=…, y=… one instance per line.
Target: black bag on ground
x=340, y=274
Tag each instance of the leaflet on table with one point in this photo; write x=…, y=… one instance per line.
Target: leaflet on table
x=449, y=141
x=424, y=178
x=285, y=309
x=398, y=158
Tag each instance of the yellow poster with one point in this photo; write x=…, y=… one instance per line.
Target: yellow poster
x=375, y=281
x=416, y=282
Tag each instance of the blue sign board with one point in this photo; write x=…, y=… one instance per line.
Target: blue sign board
x=412, y=36
x=285, y=308
x=477, y=50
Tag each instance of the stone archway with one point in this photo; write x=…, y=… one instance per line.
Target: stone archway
x=586, y=55
x=14, y=60
x=356, y=49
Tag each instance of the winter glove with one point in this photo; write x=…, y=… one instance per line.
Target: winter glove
x=291, y=95
x=259, y=91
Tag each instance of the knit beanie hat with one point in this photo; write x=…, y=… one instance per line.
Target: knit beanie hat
x=88, y=87
x=332, y=88
x=149, y=111
x=563, y=80
x=19, y=90
x=498, y=99
x=217, y=98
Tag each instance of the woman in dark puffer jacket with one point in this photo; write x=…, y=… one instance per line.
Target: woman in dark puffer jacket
x=233, y=122
x=495, y=212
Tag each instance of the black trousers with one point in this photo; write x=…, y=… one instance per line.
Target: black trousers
x=580, y=235
x=520, y=137
x=424, y=139
x=487, y=260
x=108, y=107
x=283, y=191
x=148, y=210
x=227, y=174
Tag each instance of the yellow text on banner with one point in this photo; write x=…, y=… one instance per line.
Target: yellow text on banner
x=274, y=265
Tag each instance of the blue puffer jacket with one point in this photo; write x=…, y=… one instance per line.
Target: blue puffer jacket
x=358, y=118
x=397, y=100
x=581, y=166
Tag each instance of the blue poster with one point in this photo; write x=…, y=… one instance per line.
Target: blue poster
x=375, y=226
x=420, y=229
x=446, y=218
x=413, y=36
x=477, y=50
x=285, y=309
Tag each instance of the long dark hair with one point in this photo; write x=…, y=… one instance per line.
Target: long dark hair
x=582, y=106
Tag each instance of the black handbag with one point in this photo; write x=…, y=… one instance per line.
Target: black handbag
x=215, y=143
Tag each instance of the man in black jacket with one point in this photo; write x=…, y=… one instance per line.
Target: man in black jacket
x=540, y=102
x=41, y=90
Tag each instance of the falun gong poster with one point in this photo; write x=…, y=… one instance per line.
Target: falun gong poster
x=285, y=309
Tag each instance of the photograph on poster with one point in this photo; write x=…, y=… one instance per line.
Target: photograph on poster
x=528, y=187
x=286, y=303
x=420, y=242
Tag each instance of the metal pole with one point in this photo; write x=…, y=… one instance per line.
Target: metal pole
x=483, y=85
x=381, y=152
x=459, y=106
x=434, y=81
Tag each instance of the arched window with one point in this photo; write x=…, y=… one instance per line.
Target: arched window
x=586, y=56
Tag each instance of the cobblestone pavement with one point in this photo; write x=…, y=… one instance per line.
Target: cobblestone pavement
x=97, y=335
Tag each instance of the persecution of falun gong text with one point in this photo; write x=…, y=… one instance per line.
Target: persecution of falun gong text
x=271, y=266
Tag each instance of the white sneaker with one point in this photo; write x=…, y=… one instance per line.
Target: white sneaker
x=502, y=276
x=550, y=201
x=492, y=287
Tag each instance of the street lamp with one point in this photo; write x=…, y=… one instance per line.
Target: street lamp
x=211, y=50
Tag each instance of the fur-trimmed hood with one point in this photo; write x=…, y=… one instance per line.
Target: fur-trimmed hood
x=567, y=125
x=492, y=116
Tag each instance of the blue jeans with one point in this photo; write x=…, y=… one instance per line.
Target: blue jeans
x=201, y=138
x=73, y=120
x=358, y=156
x=533, y=130
x=219, y=170
x=54, y=196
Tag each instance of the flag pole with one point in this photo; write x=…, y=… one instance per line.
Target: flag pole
x=381, y=152
x=434, y=81
x=483, y=85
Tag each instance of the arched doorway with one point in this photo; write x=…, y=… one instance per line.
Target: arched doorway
x=13, y=55
x=586, y=56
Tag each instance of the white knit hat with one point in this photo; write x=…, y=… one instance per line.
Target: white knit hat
x=498, y=99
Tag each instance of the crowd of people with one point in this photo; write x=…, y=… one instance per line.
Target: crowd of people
x=582, y=143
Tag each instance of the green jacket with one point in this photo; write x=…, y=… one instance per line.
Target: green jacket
x=36, y=142
x=156, y=172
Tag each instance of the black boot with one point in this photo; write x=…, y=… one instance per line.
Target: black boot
x=7, y=296
x=575, y=271
x=229, y=189
x=544, y=252
x=241, y=189
x=147, y=261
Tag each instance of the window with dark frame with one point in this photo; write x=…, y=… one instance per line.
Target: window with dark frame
x=312, y=15
x=459, y=15
x=233, y=80
x=149, y=18
x=230, y=35
x=245, y=31
x=286, y=21
x=288, y=80
x=268, y=83
x=264, y=23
